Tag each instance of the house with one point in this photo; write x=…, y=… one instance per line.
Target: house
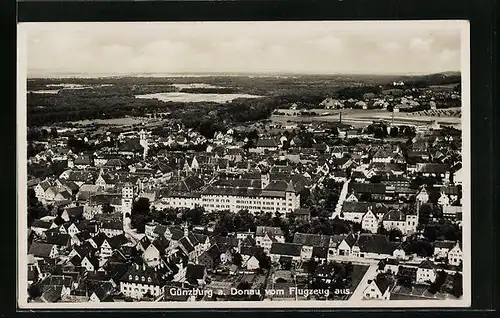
x=442, y=248
x=455, y=255
x=287, y=250
x=252, y=263
x=378, y=288
x=426, y=272
x=43, y=250
x=389, y=265
x=103, y=293
x=369, y=221
x=265, y=144
x=39, y=227
x=345, y=246
x=56, y=287
x=265, y=236
x=374, y=246
x=196, y=274
x=302, y=214
x=401, y=220
x=140, y=280
x=210, y=258
x=72, y=214
x=112, y=228
x=90, y=263
x=309, y=241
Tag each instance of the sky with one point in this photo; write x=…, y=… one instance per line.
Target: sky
x=322, y=47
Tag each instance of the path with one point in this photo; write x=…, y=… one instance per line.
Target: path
x=370, y=274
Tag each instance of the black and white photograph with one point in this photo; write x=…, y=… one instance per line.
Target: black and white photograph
x=283, y=164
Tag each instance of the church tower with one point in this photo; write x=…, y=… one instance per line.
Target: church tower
x=127, y=199
x=144, y=142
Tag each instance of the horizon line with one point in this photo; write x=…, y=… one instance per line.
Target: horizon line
x=235, y=73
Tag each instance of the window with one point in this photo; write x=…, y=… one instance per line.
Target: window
x=136, y=277
x=143, y=278
x=130, y=277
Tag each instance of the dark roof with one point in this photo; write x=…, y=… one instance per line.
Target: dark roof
x=394, y=215
x=75, y=213
x=383, y=283
x=269, y=230
x=251, y=250
x=433, y=168
x=104, y=291
x=195, y=272
x=374, y=243
x=444, y=244
x=301, y=211
x=58, y=239
x=372, y=188
x=320, y=252
x=136, y=272
x=40, y=249
x=427, y=264
x=266, y=143
x=311, y=239
x=289, y=249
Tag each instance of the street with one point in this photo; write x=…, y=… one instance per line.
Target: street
x=370, y=274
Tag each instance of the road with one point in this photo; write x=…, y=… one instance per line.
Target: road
x=370, y=274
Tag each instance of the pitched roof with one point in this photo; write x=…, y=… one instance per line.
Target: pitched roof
x=374, y=243
x=383, y=283
x=394, y=215
x=40, y=249
x=444, y=244
x=266, y=143
x=427, y=264
x=289, y=249
x=372, y=188
x=269, y=230
x=311, y=239
x=320, y=251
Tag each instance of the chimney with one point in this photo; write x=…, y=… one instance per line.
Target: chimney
x=136, y=266
x=143, y=267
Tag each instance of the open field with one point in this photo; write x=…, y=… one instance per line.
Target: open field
x=363, y=117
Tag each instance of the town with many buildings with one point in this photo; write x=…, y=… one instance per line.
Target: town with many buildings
x=260, y=211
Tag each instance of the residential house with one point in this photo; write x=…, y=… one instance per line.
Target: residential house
x=43, y=250
x=426, y=272
x=378, y=288
x=265, y=236
x=140, y=280
x=289, y=251
x=455, y=255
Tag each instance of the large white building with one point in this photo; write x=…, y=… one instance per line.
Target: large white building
x=233, y=195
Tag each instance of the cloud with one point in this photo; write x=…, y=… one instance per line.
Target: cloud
x=390, y=46
x=418, y=44
x=317, y=47
x=328, y=43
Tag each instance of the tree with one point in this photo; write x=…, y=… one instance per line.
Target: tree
x=53, y=132
x=311, y=266
x=438, y=282
x=457, y=289
x=237, y=259
x=35, y=209
x=195, y=215
x=107, y=208
x=264, y=261
x=140, y=214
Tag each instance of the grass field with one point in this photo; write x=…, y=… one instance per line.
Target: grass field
x=363, y=117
